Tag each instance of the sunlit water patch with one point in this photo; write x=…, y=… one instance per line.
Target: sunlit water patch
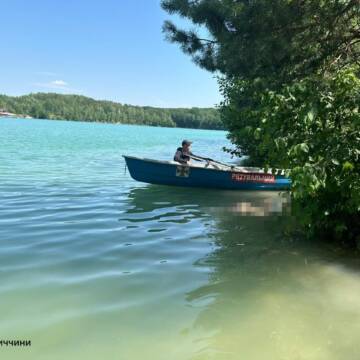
x=94, y=265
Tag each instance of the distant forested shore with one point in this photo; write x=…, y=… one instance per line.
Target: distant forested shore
x=77, y=107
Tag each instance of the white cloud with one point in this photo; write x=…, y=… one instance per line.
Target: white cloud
x=60, y=83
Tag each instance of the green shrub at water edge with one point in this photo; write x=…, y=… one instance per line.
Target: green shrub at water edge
x=312, y=128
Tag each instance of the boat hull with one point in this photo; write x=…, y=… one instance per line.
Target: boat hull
x=163, y=173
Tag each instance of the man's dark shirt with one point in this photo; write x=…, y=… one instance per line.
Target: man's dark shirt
x=182, y=157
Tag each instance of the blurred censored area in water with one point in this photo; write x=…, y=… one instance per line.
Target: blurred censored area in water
x=264, y=203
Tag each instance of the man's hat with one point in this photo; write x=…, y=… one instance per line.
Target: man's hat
x=186, y=142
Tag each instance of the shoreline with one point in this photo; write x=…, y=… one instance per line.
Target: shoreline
x=107, y=123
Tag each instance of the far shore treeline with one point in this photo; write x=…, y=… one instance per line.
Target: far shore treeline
x=77, y=107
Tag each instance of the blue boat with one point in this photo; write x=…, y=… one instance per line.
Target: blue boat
x=205, y=175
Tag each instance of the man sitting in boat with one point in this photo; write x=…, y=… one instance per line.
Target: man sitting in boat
x=183, y=153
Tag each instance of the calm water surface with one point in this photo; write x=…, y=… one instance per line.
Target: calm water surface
x=96, y=266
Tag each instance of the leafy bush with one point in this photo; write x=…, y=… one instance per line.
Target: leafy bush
x=312, y=128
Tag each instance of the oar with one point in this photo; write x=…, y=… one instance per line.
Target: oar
x=199, y=158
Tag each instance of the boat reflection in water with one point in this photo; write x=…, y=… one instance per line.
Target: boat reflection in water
x=246, y=203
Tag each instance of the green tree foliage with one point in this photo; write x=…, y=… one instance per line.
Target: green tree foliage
x=75, y=107
x=259, y=38
x=312, y=128
x=290, y=79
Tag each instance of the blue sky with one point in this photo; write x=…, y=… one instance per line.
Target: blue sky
x=108, y=49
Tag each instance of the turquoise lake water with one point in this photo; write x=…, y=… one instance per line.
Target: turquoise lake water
x=94, y=265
